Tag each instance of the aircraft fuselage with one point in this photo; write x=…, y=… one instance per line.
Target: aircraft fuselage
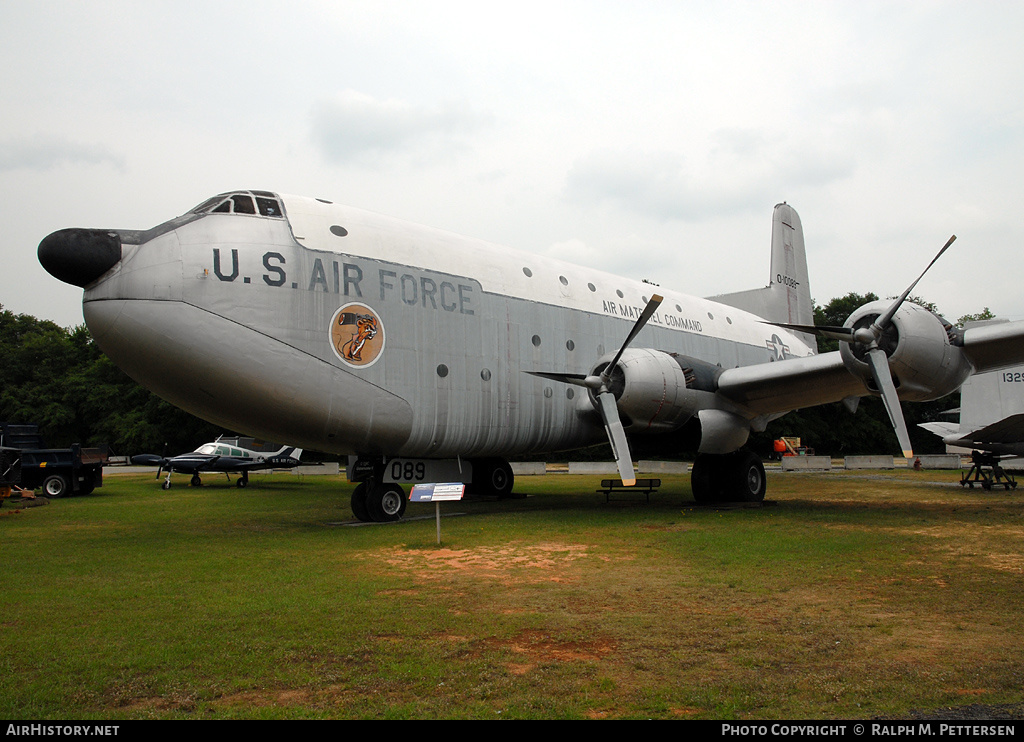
x=344, y=331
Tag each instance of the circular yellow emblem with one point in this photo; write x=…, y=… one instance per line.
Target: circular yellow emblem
x=357, y=335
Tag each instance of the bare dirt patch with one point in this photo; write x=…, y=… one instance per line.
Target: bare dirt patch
x=509, y=563
x=531, y=648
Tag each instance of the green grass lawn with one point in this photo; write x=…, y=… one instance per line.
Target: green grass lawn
x=847, y=597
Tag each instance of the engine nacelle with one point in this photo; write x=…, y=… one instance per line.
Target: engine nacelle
x=924, y=363
x=653, y=390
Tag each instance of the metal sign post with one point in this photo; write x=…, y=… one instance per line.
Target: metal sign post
x=438, y=493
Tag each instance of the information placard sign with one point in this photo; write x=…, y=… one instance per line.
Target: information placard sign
x=437, y=492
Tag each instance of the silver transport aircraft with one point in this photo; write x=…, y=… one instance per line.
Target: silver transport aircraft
x=425, y=356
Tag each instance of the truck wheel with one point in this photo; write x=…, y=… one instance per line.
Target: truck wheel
x=56, y=486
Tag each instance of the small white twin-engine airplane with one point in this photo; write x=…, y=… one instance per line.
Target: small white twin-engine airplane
x=425, y=356
x=228, y=455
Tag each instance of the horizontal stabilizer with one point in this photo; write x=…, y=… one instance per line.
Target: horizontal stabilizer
x=942, y=429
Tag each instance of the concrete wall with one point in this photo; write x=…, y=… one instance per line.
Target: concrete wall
x=329, y=468
x=663, y=467
x=869, y=462
x=806, y=463
x=528, y=468
x=940, y=461
x=593, y=467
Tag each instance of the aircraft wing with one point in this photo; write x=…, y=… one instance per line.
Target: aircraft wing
x=149, y=459
x=770, y=388
x=994, y=346
x=1008, y=430
x=1004, y=437
x=790, y=384
x=191, y=463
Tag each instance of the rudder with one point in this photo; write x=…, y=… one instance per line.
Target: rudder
x=787, y=297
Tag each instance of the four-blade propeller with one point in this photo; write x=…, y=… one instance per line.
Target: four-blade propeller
x=868, y=338
x=600, y=385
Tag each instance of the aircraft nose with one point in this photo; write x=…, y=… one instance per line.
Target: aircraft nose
x=79, y=256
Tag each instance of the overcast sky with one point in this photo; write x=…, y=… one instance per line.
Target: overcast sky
x=650, y=139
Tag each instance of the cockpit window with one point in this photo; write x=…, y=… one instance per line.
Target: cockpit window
x=243, y=205
x=266, y=204
x=207, y=205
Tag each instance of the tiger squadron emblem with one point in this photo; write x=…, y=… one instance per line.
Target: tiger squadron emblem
x=357, y=335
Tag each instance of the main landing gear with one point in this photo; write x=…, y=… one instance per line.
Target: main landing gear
x=380, y=496
x=381, y=502
x=197, y=481
x=731, y=477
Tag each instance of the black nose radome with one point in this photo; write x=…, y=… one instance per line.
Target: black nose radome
x=79, y=256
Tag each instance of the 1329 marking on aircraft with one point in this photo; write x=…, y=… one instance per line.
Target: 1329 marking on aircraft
x=481, y=352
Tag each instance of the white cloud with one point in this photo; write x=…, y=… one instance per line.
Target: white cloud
x=651, y=138
x=46, y=153
x=353, y=125
x=741, y=170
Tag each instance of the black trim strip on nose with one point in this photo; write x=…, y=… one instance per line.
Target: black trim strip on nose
x=79, y=256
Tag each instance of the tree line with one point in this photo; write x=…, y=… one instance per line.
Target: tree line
x=59, y=379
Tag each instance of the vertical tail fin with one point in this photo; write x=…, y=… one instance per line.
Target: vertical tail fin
x=987, y=398
x=787, y=297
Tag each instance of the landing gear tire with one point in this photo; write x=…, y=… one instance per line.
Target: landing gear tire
x=748, y=480
x=56, y=486
x=385, y=502
x=703, y=478
x=493, y=477
x=358, y=503
x=242, y=481
x=733, y=477
x=196, y=481
x=374, y=502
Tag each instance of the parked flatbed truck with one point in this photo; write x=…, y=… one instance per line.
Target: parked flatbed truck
x=10, y=471
x=58, y=471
